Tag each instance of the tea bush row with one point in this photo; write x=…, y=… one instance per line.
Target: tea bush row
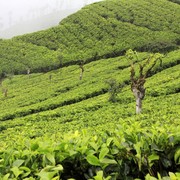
x=129, y=151
x=17, y=57
x=161, y=100
x=69, y=89
x=108, y=24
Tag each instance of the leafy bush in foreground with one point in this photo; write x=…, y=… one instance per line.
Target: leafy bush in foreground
x=131, y=151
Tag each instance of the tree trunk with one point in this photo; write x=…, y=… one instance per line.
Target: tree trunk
x=28, y=72
x=5, y=91
x=81, y=75
x=139, y=95
x=81, y=72
x=138, y=105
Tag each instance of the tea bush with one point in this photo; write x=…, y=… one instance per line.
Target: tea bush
x=131, y=150
x=101, y=30
x=55, y=126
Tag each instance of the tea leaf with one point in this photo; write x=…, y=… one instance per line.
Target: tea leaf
x=46, y=175
x=104, y=151
x=177, y=156
x=6, y=177
x=59, y=167
x=18, y=162
x=16, y=171
x=108, y=161
x=172, y=176
x=93, y=160
x=51, y=158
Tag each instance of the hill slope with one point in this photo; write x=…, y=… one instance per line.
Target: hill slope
x=51, y=105
x=114, y=25
x=55, y=125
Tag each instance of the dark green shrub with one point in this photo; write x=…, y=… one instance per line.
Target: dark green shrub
x=113, y=89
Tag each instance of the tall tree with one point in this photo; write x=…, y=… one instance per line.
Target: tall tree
x=138, y=76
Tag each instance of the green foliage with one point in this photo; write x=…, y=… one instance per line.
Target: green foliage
x=37, y=140
x=127, y=152
x=16, y=57
x=53, y=126
x=64, y=87
x=101, y=30
x=50, y=94
x=113, y=89
x=175, y=1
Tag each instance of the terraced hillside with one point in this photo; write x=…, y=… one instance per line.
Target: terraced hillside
x=114, y=25
x=56, y=125
x=16, y=57
x=40, y=107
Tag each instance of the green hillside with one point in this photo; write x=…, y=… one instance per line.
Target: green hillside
x=114, y=25
x=56, y=125
x=41, y=108
x=16, y=57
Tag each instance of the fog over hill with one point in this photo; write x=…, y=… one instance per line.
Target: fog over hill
x=22, y=16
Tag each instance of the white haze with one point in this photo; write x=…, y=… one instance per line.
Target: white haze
x=24, y=16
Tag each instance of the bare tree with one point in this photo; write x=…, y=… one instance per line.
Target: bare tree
x=138, y=78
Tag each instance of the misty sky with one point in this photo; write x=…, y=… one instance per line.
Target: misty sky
x=13, y=12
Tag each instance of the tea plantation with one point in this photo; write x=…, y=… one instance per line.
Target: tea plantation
x=57, y=123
